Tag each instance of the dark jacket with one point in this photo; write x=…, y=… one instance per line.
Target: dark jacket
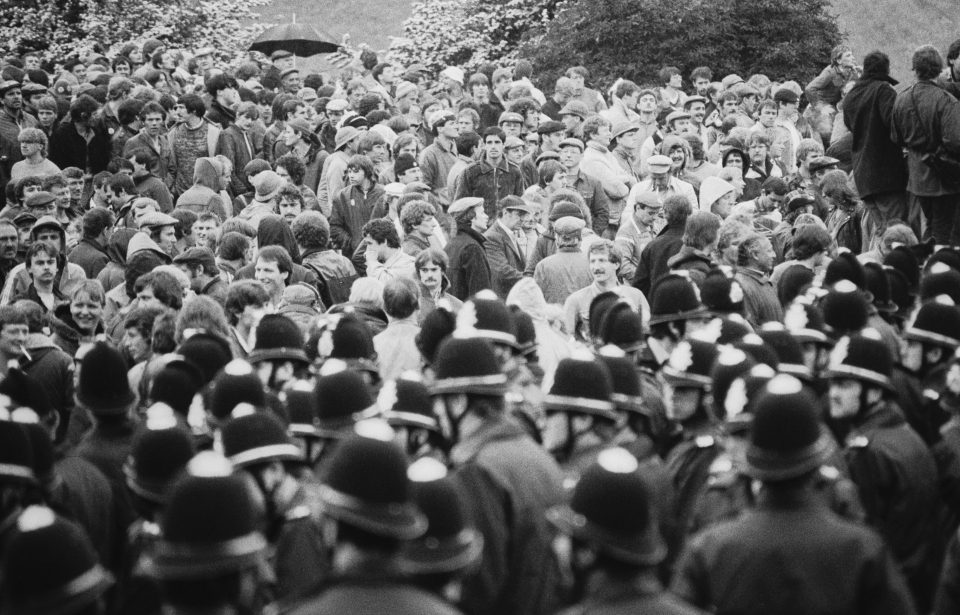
x=468, y=270
x=609, y=595
x=924, y=119
x=163, y=166
x=91, y=256
x=151, y=186
x=878, y=164
x=220, y=115
x=53, y=369
x=350, y=210
x=596, y=198
x=760, y=301
x=490, y=183
x=896, y=476
x=792, y=556
x=655, y=257
x=69, y=149
x=506, y=262
x=233, y=145
x=696, y=262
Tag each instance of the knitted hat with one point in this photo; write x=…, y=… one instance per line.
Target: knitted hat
x=612, y=510
x=278, y=339
x=564, y=209
x=209, y=524
x=582, y=385
x=159, y=454
x=675, y=297
x=50, y=567
x=450, y=543
x=937, y=322
x=342, y=399
x=721, y=293
x=468, y=365
x=862, y=357
x=257, y=437
x=787, y=440
x=103, y=384
x=236, y=384
x=366, y=486
x=404, y=163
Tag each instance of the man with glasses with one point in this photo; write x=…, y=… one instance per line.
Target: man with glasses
x=637, y=231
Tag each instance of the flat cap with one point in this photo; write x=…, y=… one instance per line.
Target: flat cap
x=571, y=142
x=464, y=204
x=196, y=255
x=659, y=163
x=510, y=116
x=575, y=107
x=824, y=162
x=157, y=218
x=337, y=104
x=549, y=127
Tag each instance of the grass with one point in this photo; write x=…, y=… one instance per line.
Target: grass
x=894, y=26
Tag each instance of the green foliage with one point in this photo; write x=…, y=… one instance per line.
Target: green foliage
x=468, y=33
x=61, y=28
x=635, y=39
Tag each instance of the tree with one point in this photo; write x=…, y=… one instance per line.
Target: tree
x=468, y=33
x=62, y=28
x=634, y=40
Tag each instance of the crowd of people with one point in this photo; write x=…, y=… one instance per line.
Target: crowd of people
x=397, y=341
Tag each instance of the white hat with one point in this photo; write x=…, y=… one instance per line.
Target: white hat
x=454, y=73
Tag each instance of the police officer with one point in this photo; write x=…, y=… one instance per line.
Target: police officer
x=892, y=467
x=926, y=347
x=581, y=418
x=612, y=545
x=508, y=480
x=790, y=551
x=259, y=448
x=368, y=515
x=210, y=556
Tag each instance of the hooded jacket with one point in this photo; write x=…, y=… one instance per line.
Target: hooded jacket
x=66, y=333
x=69, y=275
x=204, y=194
x=112, y=274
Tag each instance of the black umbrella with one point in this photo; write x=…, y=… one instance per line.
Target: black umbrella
x=297, y=38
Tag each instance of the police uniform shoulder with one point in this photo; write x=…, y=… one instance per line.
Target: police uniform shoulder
x=858, y=441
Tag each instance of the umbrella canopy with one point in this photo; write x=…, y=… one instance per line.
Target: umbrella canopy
x=297, y=38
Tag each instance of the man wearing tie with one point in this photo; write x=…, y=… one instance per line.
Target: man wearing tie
x=504, y=254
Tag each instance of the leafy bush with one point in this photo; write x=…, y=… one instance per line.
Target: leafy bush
x=468, y=33
x=634, y=40
x=61, y=28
